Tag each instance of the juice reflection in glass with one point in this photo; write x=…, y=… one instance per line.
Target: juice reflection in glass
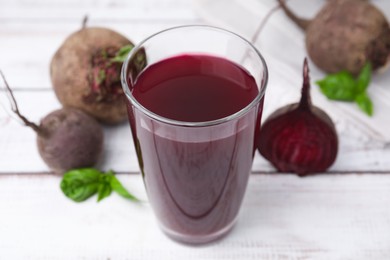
x=195, y=97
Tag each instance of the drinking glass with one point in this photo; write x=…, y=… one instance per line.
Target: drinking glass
x=195, y=173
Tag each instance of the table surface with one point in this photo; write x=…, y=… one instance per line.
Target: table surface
x=341, y=214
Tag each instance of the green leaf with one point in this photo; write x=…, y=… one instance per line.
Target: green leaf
x=104, y=190
x=365, y=104
x=342, y=86
x=364, y=78
x=118, y=188
x=339, y=86
x=80, y=184
x=121, y=55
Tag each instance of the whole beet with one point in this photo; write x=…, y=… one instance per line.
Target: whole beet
x=67, y=138
x=85, y=76
x=345, y=35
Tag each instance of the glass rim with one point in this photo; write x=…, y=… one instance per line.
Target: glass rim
x=166, y=120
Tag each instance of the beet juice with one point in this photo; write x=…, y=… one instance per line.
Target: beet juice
x=196, y=164
x=195, y=88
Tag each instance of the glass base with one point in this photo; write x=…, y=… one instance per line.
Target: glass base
x=198, y=240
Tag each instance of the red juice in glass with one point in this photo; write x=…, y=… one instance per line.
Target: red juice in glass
x=194, y=119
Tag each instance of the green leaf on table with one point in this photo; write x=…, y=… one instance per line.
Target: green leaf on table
x=339, y=86
x=104, y=190
x=364, y=78
x=121, y=55
x=343, y=86
x=80, y=184
x=365, y=104
x=118, y=188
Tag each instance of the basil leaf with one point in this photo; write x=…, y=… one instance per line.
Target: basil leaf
x=104, y=190
x=364, y=78
x=342, y=86
x=365, y=104
x=339, y=86
x=118, y=188
x=122, y=53
x=80, y=184
x=106, y=177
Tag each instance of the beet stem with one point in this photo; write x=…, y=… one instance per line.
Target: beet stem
x=300, y=22
x=305, y=98
x=263, y=22
x=15, y=108
x=84, y=22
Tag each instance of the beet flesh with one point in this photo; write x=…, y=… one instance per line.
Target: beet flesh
x=298, y=141
x=299, y=137
x=69, y=139
x=84, y=77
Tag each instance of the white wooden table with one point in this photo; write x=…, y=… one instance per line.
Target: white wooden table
x=342, y=214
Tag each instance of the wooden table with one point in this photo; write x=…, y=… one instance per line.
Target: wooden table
x=342, y=214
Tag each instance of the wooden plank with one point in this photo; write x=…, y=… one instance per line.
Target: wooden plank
x=282, y=217
x=17, y=143
x=62, y=10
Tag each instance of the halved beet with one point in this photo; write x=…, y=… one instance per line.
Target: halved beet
x=299, y=137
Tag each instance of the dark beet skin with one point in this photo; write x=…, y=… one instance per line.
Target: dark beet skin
x=84, y=77
x=69, y=139
x=345, y=35
x=300, y=137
